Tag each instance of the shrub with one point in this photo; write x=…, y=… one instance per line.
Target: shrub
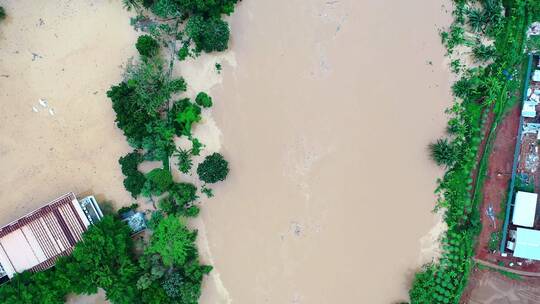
x=442, y=152
x=196, y=146
x=476, y=19
x=2, y=13
x=482, y=52
x=214, y=168
x=183, y=53
x=147, y=46
x=209, y=35
x=203, y=100
x=209, y=193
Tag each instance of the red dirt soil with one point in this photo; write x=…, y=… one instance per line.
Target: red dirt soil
x=490, y=287
x=495, y=191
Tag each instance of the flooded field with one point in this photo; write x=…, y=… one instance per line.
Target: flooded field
x=324, y=110
x=66, y=53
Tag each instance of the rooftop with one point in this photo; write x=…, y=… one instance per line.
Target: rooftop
x=35, y=241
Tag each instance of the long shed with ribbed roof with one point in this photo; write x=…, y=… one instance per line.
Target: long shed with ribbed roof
x=35, y=241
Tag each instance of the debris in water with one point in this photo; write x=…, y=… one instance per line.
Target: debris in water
x=51, y=111
x=35, y=56
x=296, y=228
x=43, y=102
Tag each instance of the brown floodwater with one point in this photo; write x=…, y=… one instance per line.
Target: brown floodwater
x=323, y=108
x=325, y=120
x=66, y=53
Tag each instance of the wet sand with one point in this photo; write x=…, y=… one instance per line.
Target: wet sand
x=324, y=110
x=67, y=52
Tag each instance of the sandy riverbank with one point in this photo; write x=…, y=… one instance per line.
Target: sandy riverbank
x=325, y=117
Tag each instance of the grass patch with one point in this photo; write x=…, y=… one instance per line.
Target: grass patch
x=505, y=273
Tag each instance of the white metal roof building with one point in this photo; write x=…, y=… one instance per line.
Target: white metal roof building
x=35, y=241
x=529, y=109
x=524, y=209
x=527, y=244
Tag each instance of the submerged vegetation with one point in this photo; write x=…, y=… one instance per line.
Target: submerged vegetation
x=151, y=114
x=481, y=91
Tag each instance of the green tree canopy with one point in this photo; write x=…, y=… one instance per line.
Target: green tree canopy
x=172, y=241
x=177, y=8
x=214, y=168
x=104, y=257
x=442, y=152
x=152, y=87
x=209, y=34
x=158, y=181
x=204, y=100
x=134, y=180
x=147, y=46
x=189, y=115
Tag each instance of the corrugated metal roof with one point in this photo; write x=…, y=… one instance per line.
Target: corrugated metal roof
x=35, y=241
x=524, y=209
x=527, y=244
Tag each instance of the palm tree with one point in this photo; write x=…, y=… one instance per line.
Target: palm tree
x=132, y=4
x=482, y=52
x=492, y=10
x=476, y=20
x=442, y=152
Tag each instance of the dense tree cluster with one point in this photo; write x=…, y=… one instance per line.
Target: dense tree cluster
x=204, y=26
x=184, y=8
x=104, y=259
x=167, y=269
x=213, y=169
